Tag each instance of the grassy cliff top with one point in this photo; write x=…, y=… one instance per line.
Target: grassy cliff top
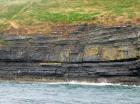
x=37, y=14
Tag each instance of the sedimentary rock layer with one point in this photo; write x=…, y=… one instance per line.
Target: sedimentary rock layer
x=99, y=54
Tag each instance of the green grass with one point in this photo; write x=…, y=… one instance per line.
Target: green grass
x=29, y=12
x=68, y=17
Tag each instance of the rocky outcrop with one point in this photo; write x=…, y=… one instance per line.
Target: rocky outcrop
x=90, y=53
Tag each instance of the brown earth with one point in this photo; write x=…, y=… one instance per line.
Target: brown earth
x=45, y=28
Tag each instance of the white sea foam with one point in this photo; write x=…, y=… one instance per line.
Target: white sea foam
x=84, y=83
x=75, y=83
x=91, y=84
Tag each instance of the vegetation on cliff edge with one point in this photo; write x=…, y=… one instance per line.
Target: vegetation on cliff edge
x=29, y=13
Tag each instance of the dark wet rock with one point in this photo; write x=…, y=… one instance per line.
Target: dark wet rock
x=88, y=52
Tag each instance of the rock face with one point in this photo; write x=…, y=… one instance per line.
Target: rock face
x=90, y=53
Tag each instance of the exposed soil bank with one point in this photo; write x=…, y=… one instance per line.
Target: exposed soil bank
x=84, y=53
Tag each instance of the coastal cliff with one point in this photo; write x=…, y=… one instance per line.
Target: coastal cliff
x=81, y=52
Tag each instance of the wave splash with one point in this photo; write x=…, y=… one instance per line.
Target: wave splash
x=91, y=84
x=83, y=83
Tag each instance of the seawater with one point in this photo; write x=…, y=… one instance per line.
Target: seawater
x=68, y=93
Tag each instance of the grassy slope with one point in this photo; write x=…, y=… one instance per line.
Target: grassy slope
x=20, y=13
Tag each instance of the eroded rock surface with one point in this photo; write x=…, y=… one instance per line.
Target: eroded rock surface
x=88, y=52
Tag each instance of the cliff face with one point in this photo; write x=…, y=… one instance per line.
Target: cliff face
x=86, y=53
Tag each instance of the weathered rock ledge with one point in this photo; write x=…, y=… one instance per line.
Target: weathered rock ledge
x=89, y=53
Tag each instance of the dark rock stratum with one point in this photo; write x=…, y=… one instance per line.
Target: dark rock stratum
x=88, y=53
